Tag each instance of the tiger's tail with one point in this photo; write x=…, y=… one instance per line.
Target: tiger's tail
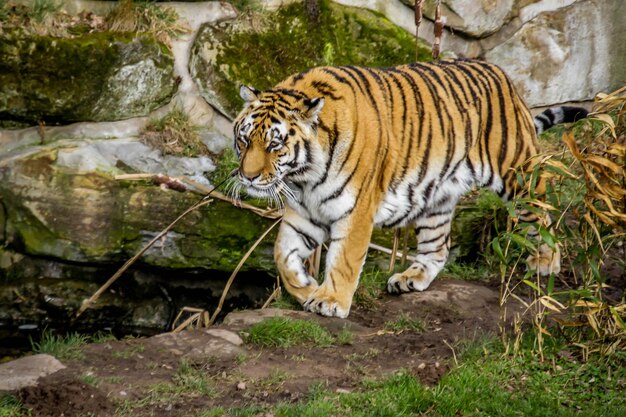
x=556, y=115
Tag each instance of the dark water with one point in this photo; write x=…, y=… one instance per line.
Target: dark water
x=143, y=303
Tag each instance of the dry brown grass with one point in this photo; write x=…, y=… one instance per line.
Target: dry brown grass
x=587, y=200
x=173, y=134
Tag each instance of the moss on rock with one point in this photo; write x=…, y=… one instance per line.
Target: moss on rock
x=99, y=76
x=90, y=217
x=261, y=49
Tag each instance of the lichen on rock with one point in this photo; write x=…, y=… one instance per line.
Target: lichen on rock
x=261, y=49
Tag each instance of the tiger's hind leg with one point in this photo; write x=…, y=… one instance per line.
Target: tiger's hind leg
x=547, y=260
x=433, y=245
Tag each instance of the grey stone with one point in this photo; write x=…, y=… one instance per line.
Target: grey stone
x=477, y=18
x=568, y=54
x=24, y=372
x=201, y=345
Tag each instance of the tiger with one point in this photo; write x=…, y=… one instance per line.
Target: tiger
x=352, y=148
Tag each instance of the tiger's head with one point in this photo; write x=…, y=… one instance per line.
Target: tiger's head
x=276, y=140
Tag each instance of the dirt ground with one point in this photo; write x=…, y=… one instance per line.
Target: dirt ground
x=131, y=373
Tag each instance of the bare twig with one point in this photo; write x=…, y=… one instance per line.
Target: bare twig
x=405, y=246
x=394, y=250
x=274, y=295
x=196, y=187
x=387, y=251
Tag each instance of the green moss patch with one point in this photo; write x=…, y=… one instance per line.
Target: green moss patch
x=261, y=49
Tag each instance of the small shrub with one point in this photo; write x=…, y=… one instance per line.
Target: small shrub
x=586, y=198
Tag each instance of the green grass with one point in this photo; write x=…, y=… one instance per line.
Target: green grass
x=59, y=346
x=486, y=383
x=469, y=271
x=11, y=407
x=344, y=337
x=102, y=337
x=173, y=134
x=130, y=352
x=372, y=283
x=44, y=8
x=285, y=332
x=405, y=323
x=90, y=379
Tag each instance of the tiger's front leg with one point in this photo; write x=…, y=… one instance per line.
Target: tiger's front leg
x=296, y=241
x=349, y=240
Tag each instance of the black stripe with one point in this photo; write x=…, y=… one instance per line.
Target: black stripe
x=307, y=239
x=339, y=190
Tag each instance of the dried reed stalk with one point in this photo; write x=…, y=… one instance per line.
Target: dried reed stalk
x=198, y=319
x=438, y=31
x=419, y=5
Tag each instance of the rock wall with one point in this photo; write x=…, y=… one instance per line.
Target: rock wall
x=555, y=51
x=74, y=110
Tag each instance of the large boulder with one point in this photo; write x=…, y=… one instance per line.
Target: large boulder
x=65, y=204
x=66, y=224
x=261, y=49
x=98, y=77
x=569, y=54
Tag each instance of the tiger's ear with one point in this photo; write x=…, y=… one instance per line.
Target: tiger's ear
x=312, y=108
x=248, y=94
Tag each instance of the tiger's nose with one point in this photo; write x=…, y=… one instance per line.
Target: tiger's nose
x=250, y=176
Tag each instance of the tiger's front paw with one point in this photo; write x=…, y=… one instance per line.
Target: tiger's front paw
x=327, y=303
x=302, y=293
x=546, y=261
x=413, y=279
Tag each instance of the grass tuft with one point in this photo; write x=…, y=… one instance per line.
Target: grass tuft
x=59, y=346
x=285, y=332
x=371, y=286
x=144, y=16
x=405, y=323
x=10, y=406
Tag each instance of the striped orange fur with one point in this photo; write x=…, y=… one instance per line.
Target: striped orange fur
x=352, y=148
